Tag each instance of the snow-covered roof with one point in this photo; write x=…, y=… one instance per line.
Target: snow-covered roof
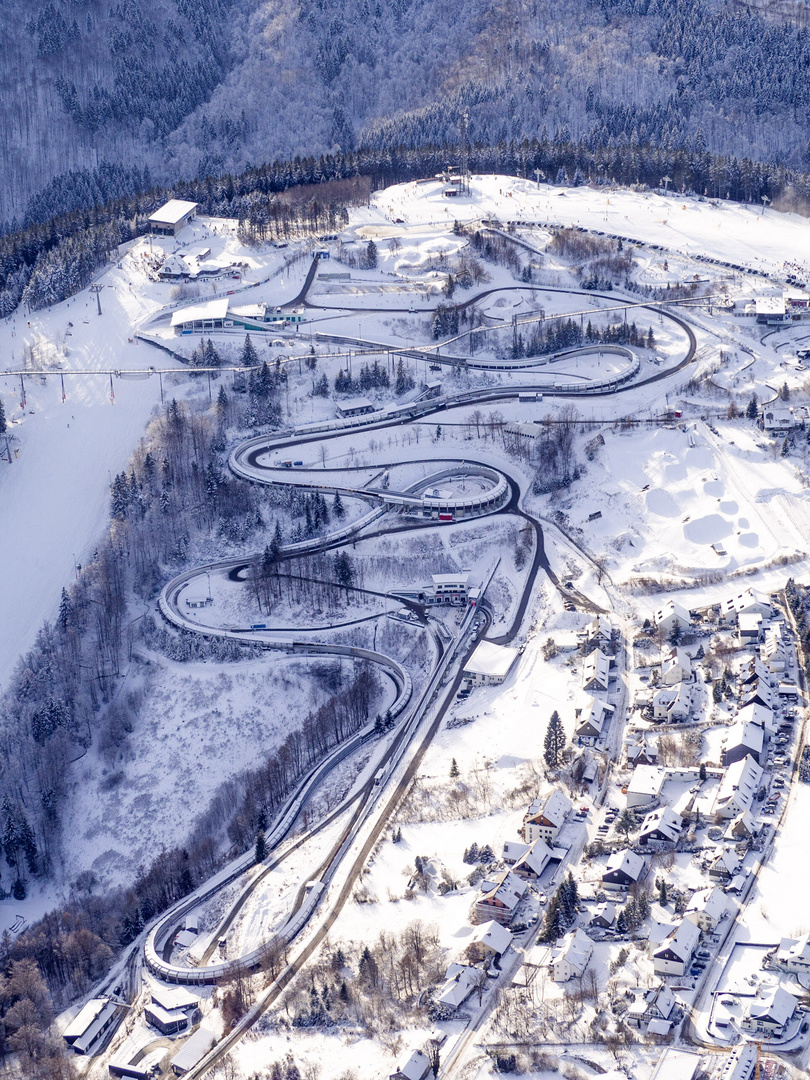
x=575, y=949
x=712, y=902
x=210, y=310
x=774, y=1004
x=174, y=997
x=194, y=1049
x=746, y=735
x=628, y=862
x=165, y=1016
x=770, y=305
x=506, y=887
x=415, y=1067
x=663, y=820
x=176, y=266
x=739, y=785
x=596, y=668
x=682, y=941
x=646, y=780
x=554, y=808
x=675, y=1064
x=461, y=980
x=172, y=212
x=490, y=659
x=594, y=717
x=606, y=912
x=493, y=936
x=84, y=1027
x=672, y=610
x=349, y=404
x=759, y=715
x=798, y=951
x=535, y=859
x=740, y=1064
x=461, y=578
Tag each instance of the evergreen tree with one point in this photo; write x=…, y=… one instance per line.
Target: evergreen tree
x=371, y=255
x=404, y=380
x=65, y=610
x=3, y=423
x=249, y=357
x=554, y=743
x=261, y=846
x=454, y=769
x=752, y=410
x=338, y=509
x=662, y=892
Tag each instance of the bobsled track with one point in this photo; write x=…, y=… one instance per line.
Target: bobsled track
x=416, y=715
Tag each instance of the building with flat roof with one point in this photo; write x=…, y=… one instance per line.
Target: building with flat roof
x=357, y=406
x=172, y=217
x=490, y=663
x=210, y=315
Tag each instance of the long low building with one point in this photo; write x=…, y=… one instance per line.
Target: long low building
x=87, y=1027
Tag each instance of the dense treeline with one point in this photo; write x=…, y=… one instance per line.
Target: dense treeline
x=254, y=198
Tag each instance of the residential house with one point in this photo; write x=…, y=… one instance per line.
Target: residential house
x=643, y=751
x=596, y=671
x=570, y=958
x=533, y=861
x=741, y=740
x=677, y=668
x=757, y=711
x=748, y=602
x=674, y=955
x=670, y=615
x=416, y=1067
x=460, y=981
x=662, y=825
x=656, y=1004
x=599, y=632
x=673, y=704
x=724, y=866
x=592, y=722
x=624, y=868
x=706, y=908
x=737, y=789
x=489, y=942
x=750, y=628
x=794, y=955
x=756, y=671
x=769, y=1013
x=545, y=817
x=604, y=918
x=645, y=785
x=499, y=898
x=759, y=693
x=742, y=828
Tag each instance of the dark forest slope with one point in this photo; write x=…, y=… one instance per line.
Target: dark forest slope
x=188, y=88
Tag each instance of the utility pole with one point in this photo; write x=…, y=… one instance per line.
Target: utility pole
x=97, y=290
